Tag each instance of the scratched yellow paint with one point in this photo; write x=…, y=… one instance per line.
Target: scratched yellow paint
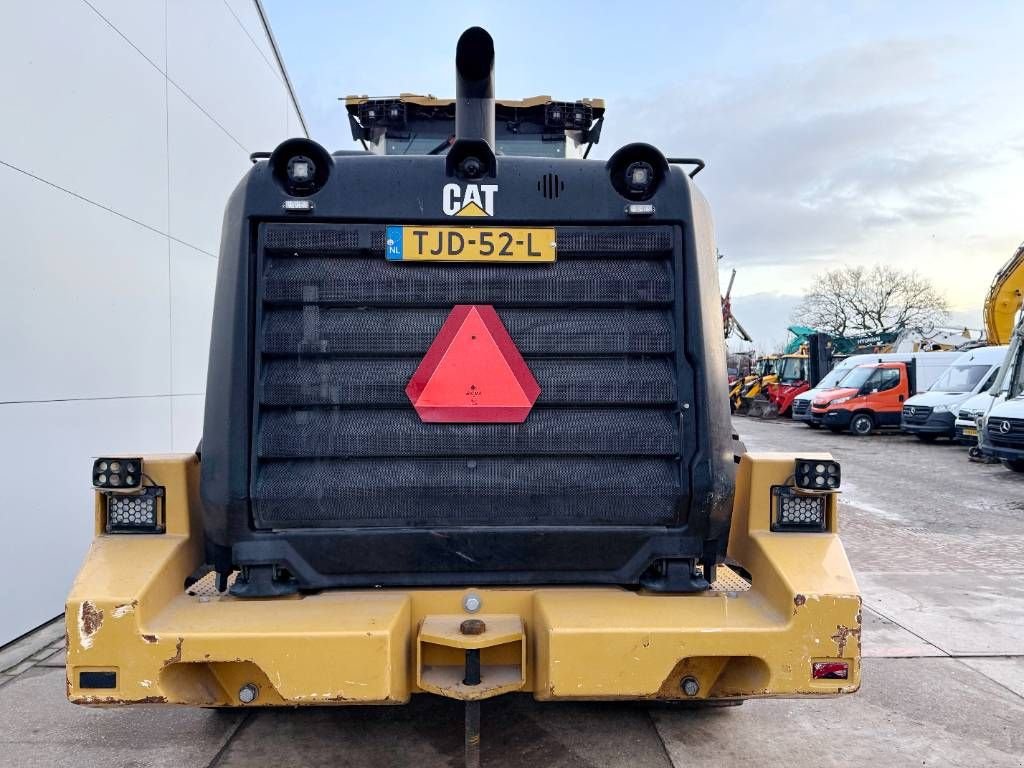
x=127, y=612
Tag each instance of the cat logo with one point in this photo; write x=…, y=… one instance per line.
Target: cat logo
x=475, y=200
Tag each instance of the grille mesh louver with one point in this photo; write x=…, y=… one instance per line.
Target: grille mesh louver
x=341, y=331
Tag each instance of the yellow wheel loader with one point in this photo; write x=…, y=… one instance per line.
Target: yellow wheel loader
x=465, y=437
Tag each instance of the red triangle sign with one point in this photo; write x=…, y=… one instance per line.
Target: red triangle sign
x=473, y=372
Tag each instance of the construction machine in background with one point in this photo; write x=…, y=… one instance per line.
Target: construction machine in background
x=464, y=437
x=1004, y=300
x=729, y=321
x=776, y=393
x=745, y=390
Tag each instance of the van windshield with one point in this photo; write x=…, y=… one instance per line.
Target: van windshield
x=833, y=377
x=855, y=379
x=959, y=379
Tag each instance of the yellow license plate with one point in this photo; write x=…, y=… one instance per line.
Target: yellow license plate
x=491, y=244
x=970, y=432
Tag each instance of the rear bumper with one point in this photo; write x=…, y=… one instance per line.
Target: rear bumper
x=129, y=615
x=937, y=424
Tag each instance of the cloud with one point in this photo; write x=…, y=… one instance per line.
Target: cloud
x=813, y=161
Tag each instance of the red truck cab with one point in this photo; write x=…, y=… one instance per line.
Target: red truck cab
x=868, y=398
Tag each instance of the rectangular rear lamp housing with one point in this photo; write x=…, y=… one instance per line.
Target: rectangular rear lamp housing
x=817, y=474
x=136, y=512
x=117, y=473
x=792, y=511
x=97, y=680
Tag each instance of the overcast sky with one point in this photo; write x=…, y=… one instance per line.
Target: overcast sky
x=860, y=132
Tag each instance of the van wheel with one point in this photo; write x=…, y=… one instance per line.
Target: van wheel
x=862, y=425
x=1017, y=465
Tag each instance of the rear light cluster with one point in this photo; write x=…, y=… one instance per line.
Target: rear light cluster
x=136, y=513
x=830, y=670
x=129, y=506
x=795, y=512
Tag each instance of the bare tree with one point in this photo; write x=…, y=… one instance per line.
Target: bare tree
x=856, y=301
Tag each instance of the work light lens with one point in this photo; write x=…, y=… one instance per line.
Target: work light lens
x=817, y=475
x=137, y=512
x=300, y=169
x=122, y=474
x=795, y=512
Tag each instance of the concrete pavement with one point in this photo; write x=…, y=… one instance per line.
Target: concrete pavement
x=938, y=546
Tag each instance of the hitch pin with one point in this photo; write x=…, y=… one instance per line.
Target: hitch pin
x=472, y=677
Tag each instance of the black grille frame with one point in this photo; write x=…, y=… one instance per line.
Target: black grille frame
x=916, y=414
x=1013, y=437
x=333, y=324
x=385, y=190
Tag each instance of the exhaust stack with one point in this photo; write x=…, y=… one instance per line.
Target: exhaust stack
x=474, y=86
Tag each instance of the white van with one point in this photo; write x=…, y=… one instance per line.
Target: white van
x=1004, y=432
x=972, y=409
x=932, y=414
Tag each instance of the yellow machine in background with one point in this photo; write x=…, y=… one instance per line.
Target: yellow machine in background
x=743, y=391
x=1005, y=299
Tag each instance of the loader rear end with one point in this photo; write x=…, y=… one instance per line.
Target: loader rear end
x=465, y=437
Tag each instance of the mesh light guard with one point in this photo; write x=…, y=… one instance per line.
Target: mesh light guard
x=136, y=512
x=798, y=512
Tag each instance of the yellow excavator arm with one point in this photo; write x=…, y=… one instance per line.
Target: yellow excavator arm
x=1005, y=298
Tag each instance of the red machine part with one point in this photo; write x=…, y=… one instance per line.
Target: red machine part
x=783, y=395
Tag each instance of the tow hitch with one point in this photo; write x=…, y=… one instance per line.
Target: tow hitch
x=471, y=660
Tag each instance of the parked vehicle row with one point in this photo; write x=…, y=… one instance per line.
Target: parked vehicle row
x=974, y=397
x=871, y=395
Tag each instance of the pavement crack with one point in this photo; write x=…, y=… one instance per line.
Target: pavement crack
x=961, y=661
x=243, y=721
x=907, y=629
x=661, y=741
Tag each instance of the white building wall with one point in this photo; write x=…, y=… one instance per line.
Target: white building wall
x=127, y=123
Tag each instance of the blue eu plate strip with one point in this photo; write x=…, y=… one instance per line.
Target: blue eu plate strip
x=393, y=243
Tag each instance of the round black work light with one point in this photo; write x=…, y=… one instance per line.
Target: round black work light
x=639, y=178
x=301, y=166
x=636, y=171
x=300, y=171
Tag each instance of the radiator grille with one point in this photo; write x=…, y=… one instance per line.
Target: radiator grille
x=1005, y=433
x=916, y=414
x=341, y=331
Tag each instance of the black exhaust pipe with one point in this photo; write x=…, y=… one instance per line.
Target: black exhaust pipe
x=474, y=86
